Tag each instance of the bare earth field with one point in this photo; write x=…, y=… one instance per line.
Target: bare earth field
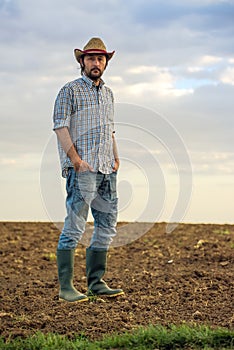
x=185, y=276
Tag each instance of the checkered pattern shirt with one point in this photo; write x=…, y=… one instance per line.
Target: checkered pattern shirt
x=87, y=112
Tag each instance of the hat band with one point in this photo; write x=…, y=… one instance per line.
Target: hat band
x=95, y=50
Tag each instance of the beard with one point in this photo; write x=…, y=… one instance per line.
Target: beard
x=94, y=74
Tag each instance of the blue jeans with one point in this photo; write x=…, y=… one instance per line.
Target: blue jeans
x=90, y=190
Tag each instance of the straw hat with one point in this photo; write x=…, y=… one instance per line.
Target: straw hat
x=95, y=45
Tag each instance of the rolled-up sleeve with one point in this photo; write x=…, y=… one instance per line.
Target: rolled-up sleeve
x=63, y=108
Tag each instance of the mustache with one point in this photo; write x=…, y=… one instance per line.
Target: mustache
x=95, y=69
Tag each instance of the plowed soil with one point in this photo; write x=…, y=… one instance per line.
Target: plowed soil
x=168, y=278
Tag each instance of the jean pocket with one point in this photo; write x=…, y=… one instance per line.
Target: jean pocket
x=70, y=180
x=86, y=185
x=113, y=186
x=83, y=172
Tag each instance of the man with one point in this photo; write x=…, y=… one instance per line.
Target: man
x=83, y=122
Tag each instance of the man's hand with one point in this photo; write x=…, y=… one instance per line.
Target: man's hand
x=116, y=166
x=115, y=151
x=82, y=166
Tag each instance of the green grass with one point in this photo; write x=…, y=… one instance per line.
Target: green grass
x=222, y=232
x=153, y=337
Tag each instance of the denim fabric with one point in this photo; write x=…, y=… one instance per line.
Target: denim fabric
x=90, y=190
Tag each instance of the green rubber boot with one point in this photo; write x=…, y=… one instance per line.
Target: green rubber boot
x=95, y=270
x=65, y=263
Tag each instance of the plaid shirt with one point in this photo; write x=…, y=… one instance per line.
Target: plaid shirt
x=87, y=111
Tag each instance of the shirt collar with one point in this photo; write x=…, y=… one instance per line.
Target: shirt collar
x=90, y=82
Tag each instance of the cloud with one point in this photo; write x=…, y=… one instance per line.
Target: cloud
x=205, y=119
x=228, y=76
x=208, y=60
x=9, y=8
x=215, y=163
x=153, y=80
x=194, y=14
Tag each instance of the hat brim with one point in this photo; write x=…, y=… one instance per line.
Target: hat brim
x=79, y=53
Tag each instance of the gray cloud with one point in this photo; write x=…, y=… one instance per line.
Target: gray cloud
x=37, y=41
x=205, y=118
x=211, y=16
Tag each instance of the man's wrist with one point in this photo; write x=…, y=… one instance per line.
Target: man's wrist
x=76, y=162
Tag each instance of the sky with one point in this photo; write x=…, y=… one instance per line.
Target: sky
x=173, y=80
